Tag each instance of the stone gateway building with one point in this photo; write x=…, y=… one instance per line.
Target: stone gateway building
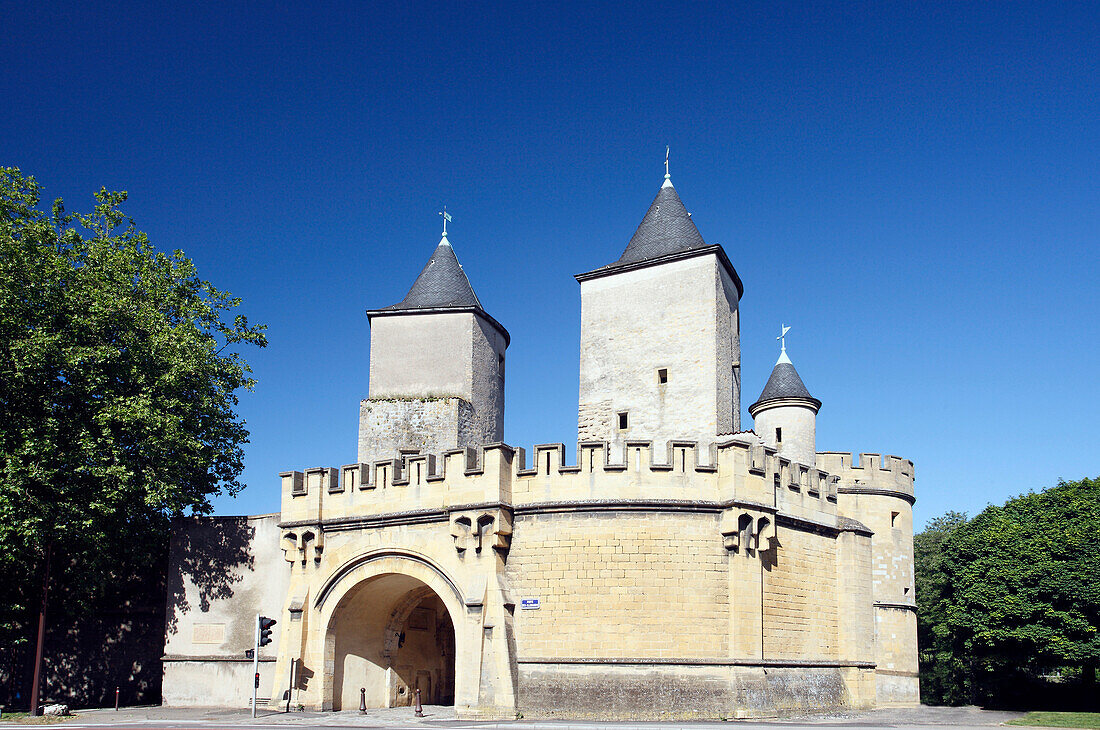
x=682, y=567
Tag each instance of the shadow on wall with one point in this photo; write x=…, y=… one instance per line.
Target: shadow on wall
x=210, y=553
x=116, y=647
x=96, y=642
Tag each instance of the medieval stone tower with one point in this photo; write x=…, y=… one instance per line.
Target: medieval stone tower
x=679, y=568
x=660, y=336
x=785, y=414
x=436, y=368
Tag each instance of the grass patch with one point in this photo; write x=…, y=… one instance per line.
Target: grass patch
x=1059, y=719
x=25, y=718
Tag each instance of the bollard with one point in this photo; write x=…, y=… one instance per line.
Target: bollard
x=116, y=699
x=419, y=710
x=362, y=700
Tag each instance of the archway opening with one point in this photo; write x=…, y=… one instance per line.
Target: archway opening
x=392, y=634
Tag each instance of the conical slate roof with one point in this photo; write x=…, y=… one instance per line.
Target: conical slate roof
x=666, y=229
x=784, y=383
x=442, y=283
x=666, y=233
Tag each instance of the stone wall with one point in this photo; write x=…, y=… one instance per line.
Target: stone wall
x=878, y=491
x=659, y=571
x=798, y=424
x=620, y=585
x=678, y=317
x=421, y=355
x=436, y=383
x=223, y=571
x=799, y=597
x=431, y=425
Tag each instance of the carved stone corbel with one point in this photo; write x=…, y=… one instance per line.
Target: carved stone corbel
x=481, y=531
x=748, y=531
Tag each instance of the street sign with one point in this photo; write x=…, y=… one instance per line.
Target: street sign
x=529, y=604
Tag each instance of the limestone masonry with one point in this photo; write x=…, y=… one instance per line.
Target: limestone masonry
x=681, y=568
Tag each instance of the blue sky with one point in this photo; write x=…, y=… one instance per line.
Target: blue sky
x=915, y=187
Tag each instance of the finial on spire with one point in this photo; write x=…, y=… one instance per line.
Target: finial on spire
x=667, y=176
x=783, y=330
x=446, y=217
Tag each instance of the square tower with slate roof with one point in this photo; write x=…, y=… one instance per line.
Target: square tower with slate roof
x=660, y=355
x=436, y=368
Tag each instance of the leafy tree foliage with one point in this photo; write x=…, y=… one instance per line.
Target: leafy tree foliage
x=931, y=585
x=119, y=375
x=1011, y=594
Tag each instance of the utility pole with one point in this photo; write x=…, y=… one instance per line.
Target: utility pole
x=41, y=634
x=256, y=664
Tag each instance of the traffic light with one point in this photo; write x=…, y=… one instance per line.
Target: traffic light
x=265, y=630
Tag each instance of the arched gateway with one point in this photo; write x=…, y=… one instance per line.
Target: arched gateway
x=389, y=628
x=391, y=635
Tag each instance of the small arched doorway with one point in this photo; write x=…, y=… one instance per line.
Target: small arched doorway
x=391, y=635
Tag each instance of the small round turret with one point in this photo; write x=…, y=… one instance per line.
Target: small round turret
x=785, y=414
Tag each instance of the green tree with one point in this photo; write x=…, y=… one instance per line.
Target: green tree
x=1016, y=595
x=932, y=582
x=119, y=375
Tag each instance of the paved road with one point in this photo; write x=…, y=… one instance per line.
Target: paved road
x=159, y=718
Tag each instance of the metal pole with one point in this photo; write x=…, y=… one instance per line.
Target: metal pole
x=362, y=700
x=116, y=699
x=290, y=689
x=255, y=663
x=419, y=709
x=41, y=634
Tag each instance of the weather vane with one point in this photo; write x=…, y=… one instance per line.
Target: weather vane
x=446, y=217
x=784, y=329
x=667, y=176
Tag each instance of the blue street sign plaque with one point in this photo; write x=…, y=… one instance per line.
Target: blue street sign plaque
x=529, y=603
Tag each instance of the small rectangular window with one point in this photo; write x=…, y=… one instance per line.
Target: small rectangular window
x=500, y=365
x=662, y=376
x=622, y=421
x=893, y=519
x=779, y=435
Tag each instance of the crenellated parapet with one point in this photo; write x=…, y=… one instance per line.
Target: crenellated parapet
x=739, y=469
x=878, y=492
x=870, y=473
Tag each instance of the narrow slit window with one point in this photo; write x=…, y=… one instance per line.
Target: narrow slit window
x=662, y=375
x=893, y=519
x=779, y=435
x=623, y=421
x=500, y=365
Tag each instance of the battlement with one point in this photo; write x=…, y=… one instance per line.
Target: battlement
x=739, y=468
x=869, y=471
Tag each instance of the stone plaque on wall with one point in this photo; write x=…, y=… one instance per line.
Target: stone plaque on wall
x=208, y=634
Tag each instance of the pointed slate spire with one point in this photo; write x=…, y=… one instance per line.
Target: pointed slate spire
x=665, y=229
x=442, y=283
x=784, y=383
x=666, y=233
